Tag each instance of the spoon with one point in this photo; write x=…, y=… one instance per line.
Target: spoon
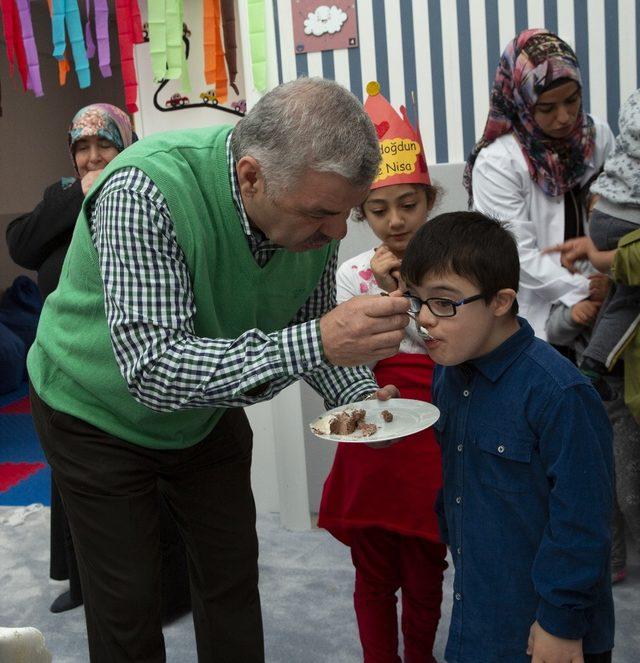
x=422, y=332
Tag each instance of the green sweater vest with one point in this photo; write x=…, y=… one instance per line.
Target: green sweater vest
x=72, y=365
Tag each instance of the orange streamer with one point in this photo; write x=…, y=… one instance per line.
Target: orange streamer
x=215, y=71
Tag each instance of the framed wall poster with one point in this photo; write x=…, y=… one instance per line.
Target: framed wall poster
x=324, y=27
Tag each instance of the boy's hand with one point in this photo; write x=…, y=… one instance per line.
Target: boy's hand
x=572, y=250
x=546, y=648
x=385, y=266
x=581, y=248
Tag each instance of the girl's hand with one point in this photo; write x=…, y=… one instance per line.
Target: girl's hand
x=385, y=266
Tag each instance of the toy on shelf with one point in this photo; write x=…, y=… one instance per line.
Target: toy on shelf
x=209, y=97
x=176, y=100
x=240, y=105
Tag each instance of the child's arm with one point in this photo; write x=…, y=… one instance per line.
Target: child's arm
x=575, y=446
x=582, y=248
x=566, y=323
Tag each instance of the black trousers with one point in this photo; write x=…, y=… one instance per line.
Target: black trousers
x=109, y=488
x=598, y=658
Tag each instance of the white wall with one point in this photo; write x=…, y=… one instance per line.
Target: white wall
x=447, y=53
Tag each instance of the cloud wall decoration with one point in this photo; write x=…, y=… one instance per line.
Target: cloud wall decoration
x=324, y=20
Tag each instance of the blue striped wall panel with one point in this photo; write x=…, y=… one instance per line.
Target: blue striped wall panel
x=444, y=54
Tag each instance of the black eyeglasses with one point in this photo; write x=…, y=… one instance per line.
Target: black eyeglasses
x=441, y=307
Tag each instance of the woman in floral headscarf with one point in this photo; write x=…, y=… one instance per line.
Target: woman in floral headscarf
x=532, y=167
x=39, y=240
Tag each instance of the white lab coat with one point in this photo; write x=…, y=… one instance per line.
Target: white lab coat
x=503, y=188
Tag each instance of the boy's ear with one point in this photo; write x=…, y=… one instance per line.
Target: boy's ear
x=503, y=301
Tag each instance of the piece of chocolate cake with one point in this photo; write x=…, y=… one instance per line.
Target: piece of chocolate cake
x=366, y=429
x=348, y=421
x=386, y=415
x=345, y=423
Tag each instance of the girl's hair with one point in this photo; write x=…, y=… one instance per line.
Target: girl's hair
x=431, y=191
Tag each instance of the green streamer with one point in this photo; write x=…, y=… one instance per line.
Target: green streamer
x=258, y=43
x=157, y=39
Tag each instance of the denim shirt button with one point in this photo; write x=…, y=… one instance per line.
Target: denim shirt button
x=459, y=447
x=459, y=551
x=458, y=499
x=501, y=449
x=458, y=597
x=466, y=392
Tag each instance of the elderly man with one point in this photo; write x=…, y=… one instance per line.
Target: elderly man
x=200, y=279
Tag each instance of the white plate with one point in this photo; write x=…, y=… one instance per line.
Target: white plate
x=409, y=416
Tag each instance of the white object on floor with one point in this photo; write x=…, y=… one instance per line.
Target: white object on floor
x=23, y=645
x=18, y=515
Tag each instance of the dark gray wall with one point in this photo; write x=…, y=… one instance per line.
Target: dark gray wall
x=33, y=148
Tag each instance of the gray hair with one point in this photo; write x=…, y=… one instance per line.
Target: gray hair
x=308, y=124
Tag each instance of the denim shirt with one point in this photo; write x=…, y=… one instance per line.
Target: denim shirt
x=526, y=503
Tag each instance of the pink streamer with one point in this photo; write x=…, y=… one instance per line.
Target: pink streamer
x=33, y=74
x=91, y=47
x=101, y=17
x=102, y=35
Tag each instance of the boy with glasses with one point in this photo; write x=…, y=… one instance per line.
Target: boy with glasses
x=527, y=459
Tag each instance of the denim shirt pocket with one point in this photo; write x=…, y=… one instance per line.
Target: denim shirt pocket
x=504, y=460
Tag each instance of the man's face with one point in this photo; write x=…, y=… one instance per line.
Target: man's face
x=304, y=217
x=471, y=333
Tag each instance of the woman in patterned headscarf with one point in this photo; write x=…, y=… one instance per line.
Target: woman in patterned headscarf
x=98, y=133
x=39, y=240
x=532, y=166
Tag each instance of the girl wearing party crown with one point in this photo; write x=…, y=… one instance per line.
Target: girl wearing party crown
x=380, y=502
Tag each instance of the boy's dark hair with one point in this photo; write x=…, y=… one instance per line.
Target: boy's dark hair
x=469, y=244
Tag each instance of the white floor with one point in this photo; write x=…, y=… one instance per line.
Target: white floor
x=306, y=581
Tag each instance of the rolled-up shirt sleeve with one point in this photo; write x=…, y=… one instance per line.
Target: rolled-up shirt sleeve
x=573, y=555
